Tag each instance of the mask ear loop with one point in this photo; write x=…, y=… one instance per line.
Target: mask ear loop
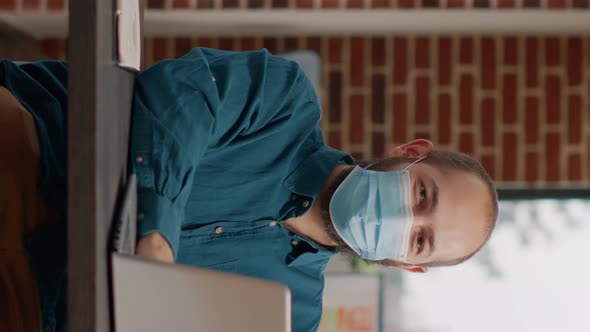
x=415, y=162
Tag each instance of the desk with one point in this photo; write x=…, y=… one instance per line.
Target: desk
x=98, y=131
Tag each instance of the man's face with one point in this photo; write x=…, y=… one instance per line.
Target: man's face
x=450, y=211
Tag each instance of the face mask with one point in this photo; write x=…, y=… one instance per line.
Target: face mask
x=372, y=212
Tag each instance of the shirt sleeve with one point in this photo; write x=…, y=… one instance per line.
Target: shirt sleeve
x=202, y=101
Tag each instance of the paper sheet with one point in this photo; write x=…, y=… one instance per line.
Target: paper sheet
x=128, y=34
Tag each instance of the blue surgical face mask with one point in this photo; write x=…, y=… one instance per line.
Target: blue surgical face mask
x=372, y=212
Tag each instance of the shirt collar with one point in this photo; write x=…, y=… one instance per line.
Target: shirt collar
x=310, y=175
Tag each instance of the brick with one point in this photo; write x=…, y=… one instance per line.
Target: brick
x=444, y=119
x=357, y=122
x=488, y=121
x=255, y=4
x=357, y=155
x=422, y=135
x=335, y=139
x=574, y=127
x=509, y=93
x=488, y=163
x=355, y=3
x=406, y=3
x=304, y=4
x=226, y=44
x=488, y=63
x=552, y=48
x=378, y=145
x=532, y=62
x=314, y=44
x=455, y=3
x=553, y=160
x=466, y=143
x=481, y=3
x=552, y=98
x=531, y=120
x=155, y=3
x=204, y=4
x=270, y=43
x=556, y=3
x=182, y=46
x=509, y=155
x=399, y=118
x=7, y=4
x=378, y=51
x=280, y=3
x=574, y=61
x=378, y=98
x=248, y=44
x=400, y=60
x=580, y=3
x=205, y=42
x=531, y=167
x=422, y=52
x=30, y=4
x=422, y=100
x=510, y=50
x=466, y=99
x=445, y=67
x=430, y=3
x=291, y=44
x=506, y=3
x=466, y=50
x=330, y=3
x=230, y=3
x=335, y=49
x=56, y=4
x=159, y=49
x=180, y=4
x=357, y=61
x=380, y=4
x=532, y=3
x=335, y=96
x=53, y=48
x=574, y=167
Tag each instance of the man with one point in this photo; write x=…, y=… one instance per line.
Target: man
x=233, y=175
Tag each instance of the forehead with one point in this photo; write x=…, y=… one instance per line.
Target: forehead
x=458, y=223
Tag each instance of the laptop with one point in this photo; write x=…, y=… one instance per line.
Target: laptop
x=151, y=296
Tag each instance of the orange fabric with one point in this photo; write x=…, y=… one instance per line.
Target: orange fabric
x=21, y=210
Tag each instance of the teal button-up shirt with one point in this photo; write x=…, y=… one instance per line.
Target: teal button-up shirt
x=226, y=146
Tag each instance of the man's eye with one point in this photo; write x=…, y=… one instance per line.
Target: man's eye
x=419, y=243
x=422, y=194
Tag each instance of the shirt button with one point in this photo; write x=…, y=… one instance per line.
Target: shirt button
x=293, y=197
x=140, y=216
x=272, y=224
x=305, y=203
x=139, y=159
x=218, y=230
x=213, y=78
x=294, y=242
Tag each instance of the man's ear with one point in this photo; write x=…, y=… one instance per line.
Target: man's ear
x=414, y=149
x=414, y=268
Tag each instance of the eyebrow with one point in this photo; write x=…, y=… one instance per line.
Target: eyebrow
x=433, y=196
x=431, y=208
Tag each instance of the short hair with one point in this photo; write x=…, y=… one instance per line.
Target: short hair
x=453, y=161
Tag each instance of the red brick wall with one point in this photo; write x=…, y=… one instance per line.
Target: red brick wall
x=520, y=104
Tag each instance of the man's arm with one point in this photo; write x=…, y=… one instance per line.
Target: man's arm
x=206, y=99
